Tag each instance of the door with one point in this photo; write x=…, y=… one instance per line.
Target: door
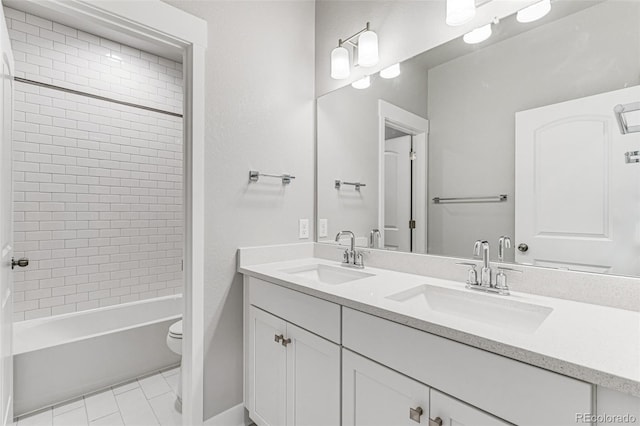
x=6, y=229
x=454, y=412
x=397, y=193
x=267, y=368
x=577, y=202
x=374, y=395
x=313, y=379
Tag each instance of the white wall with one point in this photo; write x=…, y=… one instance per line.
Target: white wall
x=98, y=185
x=348, y=148
x=260, y=113
x=473, y=100
x=404, y=28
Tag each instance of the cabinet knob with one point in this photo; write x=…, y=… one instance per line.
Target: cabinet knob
x=278, y=338
x=436, y=422
x=523, y=248
x=415, y=413
x=285, y=342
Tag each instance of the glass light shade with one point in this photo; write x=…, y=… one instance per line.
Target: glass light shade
x=391, y=72
x=460, y=12
x=368, y=49
x=363, y=83
x=340, y=67
x=534, y=12
x=478, y=35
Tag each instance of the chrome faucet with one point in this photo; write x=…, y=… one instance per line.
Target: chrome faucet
x=351, y=257
x=374, y=238
x=485, y=273
x=503, y=243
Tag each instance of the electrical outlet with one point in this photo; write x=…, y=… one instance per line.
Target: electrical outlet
x=303, y=228
x=323, y=228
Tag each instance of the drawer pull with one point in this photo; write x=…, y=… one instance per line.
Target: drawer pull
x=436, y=422
x=415, y=413
x=285, y=342
x=278, y=338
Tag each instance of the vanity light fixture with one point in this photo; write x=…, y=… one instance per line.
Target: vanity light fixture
x=363, y=83
x=365, y=51
x=534, y=12
x=459, y=12
x=478, y=35
x=391, y=72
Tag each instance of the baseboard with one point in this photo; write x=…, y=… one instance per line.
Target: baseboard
x=234, y=416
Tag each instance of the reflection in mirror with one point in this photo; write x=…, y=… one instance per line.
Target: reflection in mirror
x=517, y=136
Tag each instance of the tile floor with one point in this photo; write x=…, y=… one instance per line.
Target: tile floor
x=147, y=401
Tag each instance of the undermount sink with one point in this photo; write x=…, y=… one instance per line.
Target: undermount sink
x=500, y=312
x=327, y=274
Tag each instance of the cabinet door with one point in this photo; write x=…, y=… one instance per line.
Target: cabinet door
x=374, y=395
x=313, y=379
x=454, y=412
x=267, y=369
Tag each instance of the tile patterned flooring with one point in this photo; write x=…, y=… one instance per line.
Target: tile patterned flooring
x=148, y=401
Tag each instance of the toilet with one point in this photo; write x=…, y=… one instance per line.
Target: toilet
x=174, y=341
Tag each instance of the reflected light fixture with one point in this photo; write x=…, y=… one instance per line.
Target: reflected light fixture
x=478, y=35
x=460, y=12
x=365, y=51
x=534, y=12
x=391, y=72
x=363, y=83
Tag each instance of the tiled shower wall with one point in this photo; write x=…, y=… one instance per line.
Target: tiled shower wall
x=98, y=185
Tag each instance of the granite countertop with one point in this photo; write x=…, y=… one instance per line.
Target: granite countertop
x=596, y=344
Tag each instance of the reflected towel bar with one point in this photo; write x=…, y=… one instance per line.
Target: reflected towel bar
x=339, y=183
x=255, y=175
x=490, y=199
x=620, y=110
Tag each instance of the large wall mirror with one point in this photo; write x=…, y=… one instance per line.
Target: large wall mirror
x=517, y=137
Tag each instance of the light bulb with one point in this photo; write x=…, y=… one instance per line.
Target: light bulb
x=460, y=11
x=534, y=12
x=340, y=67
x=363, y=83
x=478, y=35
x=368, y=49
x=391, y=72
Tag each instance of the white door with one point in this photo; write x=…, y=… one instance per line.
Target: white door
x=577, y=203
x=267, y=369
x=454, y=412
x=313, y=379
x=374, y=395
x=6, y=229
x=397, y=193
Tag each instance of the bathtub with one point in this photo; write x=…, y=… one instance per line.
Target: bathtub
x=63, y=357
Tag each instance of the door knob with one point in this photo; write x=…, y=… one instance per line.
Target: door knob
x=22, y=262
x=522, y=247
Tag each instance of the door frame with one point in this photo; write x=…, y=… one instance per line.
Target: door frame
x=174, y=29
x=418, y=127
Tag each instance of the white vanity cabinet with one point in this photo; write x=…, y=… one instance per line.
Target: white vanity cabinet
x=292, y=375
x=374, y=395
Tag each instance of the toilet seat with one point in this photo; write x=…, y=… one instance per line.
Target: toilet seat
x=174, y=337
x=175, y=330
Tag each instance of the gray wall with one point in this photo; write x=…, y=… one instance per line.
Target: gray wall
x=473, y=100
x=260, y=115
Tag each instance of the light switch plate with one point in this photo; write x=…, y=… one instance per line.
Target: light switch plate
x=323, y=228
x=303, y=228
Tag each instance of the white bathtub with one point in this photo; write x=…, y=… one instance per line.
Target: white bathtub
x=66, y=356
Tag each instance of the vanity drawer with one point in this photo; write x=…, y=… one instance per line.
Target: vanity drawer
x=315, y=315
x=509, y=389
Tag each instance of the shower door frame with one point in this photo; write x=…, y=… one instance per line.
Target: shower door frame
x=174, y=29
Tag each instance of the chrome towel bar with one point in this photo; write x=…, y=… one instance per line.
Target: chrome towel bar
x=255, y=175
x=620, y=111
x=339, y=183
x=489, y=199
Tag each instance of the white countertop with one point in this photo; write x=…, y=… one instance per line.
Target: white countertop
x=596, y=344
